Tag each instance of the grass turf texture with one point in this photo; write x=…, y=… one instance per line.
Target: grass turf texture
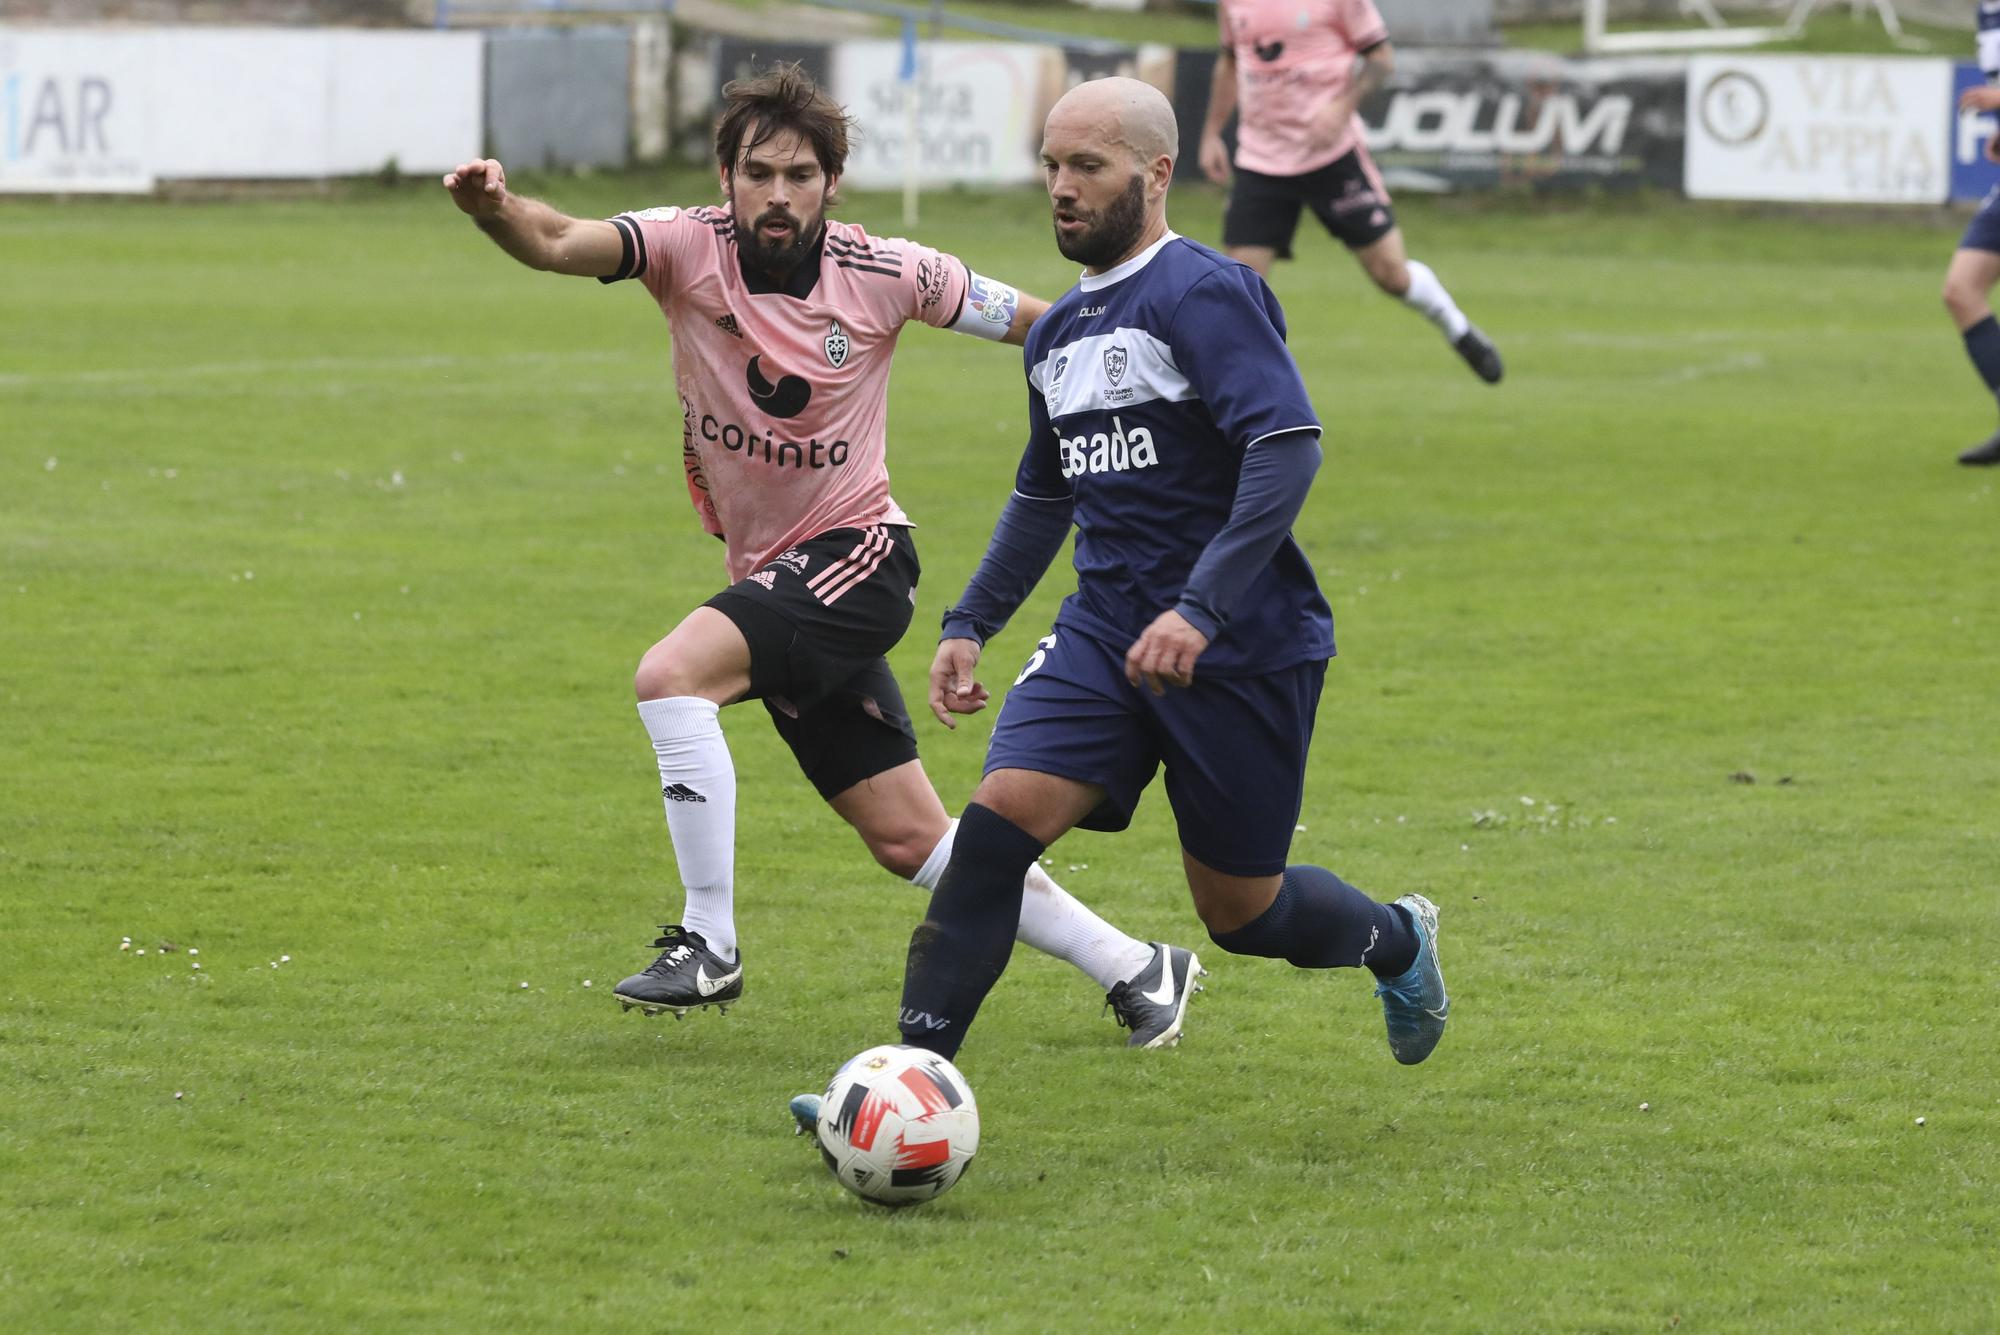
x=330, y=536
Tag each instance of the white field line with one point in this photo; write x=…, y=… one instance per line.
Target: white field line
x=1743, y=361
x=151, y=376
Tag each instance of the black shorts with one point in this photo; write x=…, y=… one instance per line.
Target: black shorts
x=1346, y=195
x=819, y=617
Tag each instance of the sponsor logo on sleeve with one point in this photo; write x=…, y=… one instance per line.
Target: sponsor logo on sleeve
x=931, y=278
x=1054, y=391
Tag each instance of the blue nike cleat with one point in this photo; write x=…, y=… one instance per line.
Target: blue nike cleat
x=1415, y=1004
x=805, y=1114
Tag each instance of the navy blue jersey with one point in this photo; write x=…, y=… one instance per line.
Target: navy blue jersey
x=1146, y=385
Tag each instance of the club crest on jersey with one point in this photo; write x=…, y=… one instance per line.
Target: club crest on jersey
x=1114, y=370
x=1114, y=363
x=836, y=345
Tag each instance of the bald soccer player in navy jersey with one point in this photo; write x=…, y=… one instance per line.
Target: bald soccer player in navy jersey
x=1169, y=426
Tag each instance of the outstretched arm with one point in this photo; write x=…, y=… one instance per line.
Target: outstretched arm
x=529, y=230
x=1029, y=311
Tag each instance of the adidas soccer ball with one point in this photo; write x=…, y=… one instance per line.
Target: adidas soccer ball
x=898, y=1125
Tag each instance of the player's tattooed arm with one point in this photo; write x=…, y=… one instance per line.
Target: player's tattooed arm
x=529, y=230
x=1373, y=68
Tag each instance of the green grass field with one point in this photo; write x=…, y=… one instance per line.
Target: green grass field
x=329, y=539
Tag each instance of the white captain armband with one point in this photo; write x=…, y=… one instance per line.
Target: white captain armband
x=989, y=308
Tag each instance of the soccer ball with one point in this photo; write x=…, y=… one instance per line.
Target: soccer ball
x=898, y=1125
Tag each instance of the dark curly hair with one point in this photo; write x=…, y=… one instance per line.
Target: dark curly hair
x=781, y=98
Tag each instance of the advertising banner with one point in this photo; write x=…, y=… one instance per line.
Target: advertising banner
x=74, y=111
x=1451, y=121
x=88, y=109
x=1843, y=129
x=1972, y=174
x=978, y=113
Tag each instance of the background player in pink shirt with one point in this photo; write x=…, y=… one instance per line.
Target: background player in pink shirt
x=784, y=323
x=1295, y=72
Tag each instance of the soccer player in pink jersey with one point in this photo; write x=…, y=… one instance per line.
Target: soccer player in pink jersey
x=1295, y=73
x=784, y=322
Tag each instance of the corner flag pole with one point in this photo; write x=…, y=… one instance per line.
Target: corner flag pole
x=911, y=157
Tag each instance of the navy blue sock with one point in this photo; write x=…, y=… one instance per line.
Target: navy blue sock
x=960, y=949
x=1319, y=921
x=1982, y=344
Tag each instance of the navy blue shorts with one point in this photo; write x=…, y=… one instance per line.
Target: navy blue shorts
x=1983, y=232
x=1234, y=747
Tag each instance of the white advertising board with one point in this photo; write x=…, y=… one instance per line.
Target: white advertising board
x=74, y=111
x=417, y=97
x=86, y=109
x=1844, y=129
x=240, y=103
x=979, y=110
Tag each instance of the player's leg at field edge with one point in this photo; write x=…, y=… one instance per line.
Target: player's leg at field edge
x=899, y=817
x=1304, y=915
x=960, y=949
x=1414, y=284
x=682, y=683
x=1312, y=919
x=1968, y=285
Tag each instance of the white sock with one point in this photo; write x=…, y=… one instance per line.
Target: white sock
x=1428, y=297
x=1056, y=923
x=698, y=786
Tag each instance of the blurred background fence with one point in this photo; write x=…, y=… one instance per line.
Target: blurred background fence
x=110, y=95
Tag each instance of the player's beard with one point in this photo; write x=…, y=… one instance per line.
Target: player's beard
x=776, y=259
x=1109, y=234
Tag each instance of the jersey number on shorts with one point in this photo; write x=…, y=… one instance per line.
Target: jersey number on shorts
x=1039, y=657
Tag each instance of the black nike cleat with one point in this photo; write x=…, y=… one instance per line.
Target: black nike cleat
x=1986, y=452
x=687, y=976
x=1480, y=354
x=1153, y=1002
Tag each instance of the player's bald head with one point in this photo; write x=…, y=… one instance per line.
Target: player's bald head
x=1117, y=113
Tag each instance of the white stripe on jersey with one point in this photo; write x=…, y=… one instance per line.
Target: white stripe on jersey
x=1989, y=38
x=1120, y=368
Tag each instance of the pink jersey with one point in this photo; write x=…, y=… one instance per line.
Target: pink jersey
x=785, y=398
x=1293, y=57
